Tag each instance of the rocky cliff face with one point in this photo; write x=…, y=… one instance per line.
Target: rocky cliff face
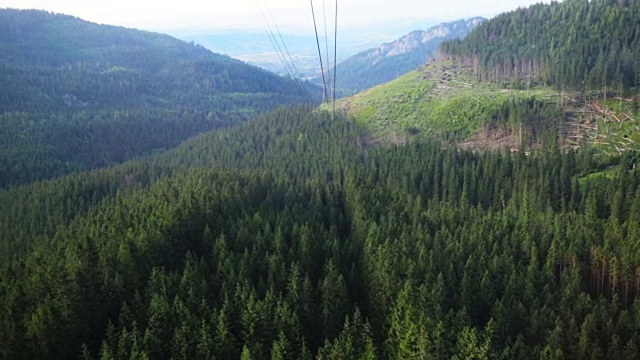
x=390, y=60
x=421, y=39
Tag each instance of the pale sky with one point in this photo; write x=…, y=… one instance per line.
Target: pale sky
x=220, y=14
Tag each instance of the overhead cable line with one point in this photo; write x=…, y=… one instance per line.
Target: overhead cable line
x=335, y=59
x=289, y=68
x=280, y=53
x=296, y=73
x=315, y=28
x=326, y=45
x=331, y=79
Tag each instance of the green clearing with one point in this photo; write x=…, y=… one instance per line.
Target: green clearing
x=441, y=99
x=445, y=101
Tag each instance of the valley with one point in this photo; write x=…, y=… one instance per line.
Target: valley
x=256, y=46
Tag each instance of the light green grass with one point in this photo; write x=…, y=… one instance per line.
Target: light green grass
x=446, y=102
x=436, y=100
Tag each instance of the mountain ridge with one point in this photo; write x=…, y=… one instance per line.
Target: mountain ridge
x=419, y=38
x=76, y=95
x=392, y=59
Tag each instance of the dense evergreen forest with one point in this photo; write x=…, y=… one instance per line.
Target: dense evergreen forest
x=76, y=95
x=575, y=44
x=293, y=236
x=288, y=237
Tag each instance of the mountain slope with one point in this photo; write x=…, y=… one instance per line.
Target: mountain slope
x=77, y=95
x=441, y=100
x=106, y=66
x=518, y=76
x=571, y=44
x=390, y=60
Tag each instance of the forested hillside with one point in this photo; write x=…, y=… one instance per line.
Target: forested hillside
x=573, y=44
x=390, y=60
x=569, y=70
x=76, y=95
x=288, y=237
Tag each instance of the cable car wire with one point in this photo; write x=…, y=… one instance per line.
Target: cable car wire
x=315, y=28
x=326, y=45
x=296, y=73
x=288, y=65
x=335, y=58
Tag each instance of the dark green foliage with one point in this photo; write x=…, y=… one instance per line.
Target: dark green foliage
x=573, y=44
x=287, y=238
x=534, y=120
x=76, y=95
x=45, y=146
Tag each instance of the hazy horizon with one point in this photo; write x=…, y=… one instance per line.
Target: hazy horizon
x=289, y=15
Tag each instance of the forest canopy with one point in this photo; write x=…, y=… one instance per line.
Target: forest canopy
x=293, y=235
x=287, y=237
x=574, y=44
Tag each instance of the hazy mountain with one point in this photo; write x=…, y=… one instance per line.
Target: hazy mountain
x=390, y=60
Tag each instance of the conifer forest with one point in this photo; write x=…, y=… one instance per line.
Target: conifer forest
x=184, y=205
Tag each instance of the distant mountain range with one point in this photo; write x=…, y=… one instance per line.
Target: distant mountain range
x=390, y=60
